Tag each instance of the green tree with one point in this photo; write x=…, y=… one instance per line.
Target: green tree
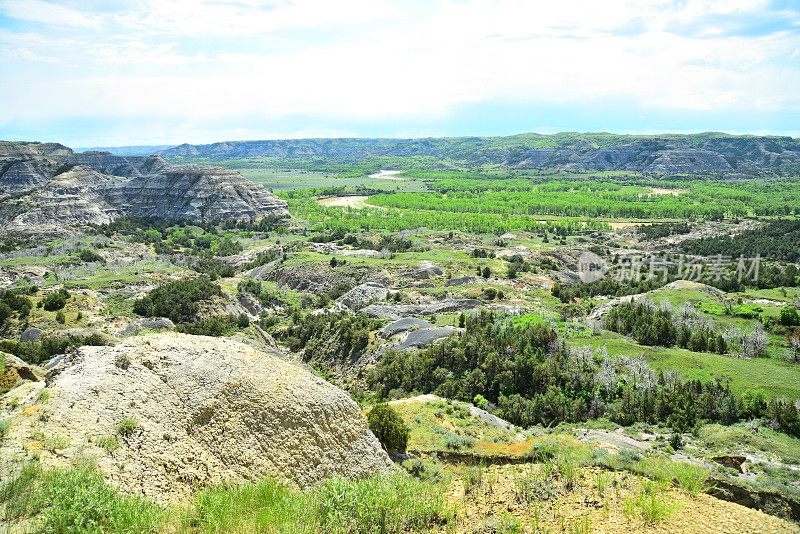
x=56, y=300
x=789, y=316
x=388, y=427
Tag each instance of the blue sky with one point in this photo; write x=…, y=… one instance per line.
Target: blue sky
x=108, y=73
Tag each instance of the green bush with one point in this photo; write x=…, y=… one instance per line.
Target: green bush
x=126, y=426
x=177, y=300
x=48, y=346
x=790, y=316
x=56, y=300
x=89, y=256
x=218, y=325
x=388, y=427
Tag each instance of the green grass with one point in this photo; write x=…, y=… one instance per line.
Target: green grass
x=75, y=500
x=650, y=504
x=775, y=378
x=79, y=500
x=763, y=441
x=126, y=426
x=448, y=426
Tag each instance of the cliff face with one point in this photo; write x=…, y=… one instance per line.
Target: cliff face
x=24, y=166
x=709, y=152
x=49, y=186
x=196, y=193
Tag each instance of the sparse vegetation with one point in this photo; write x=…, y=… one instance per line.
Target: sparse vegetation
x=651, y=505
x=126, y=426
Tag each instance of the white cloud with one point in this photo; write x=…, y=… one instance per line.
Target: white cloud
x=372, y=60
x=50, y=13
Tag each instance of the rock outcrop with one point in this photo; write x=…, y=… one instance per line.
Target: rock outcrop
x=189, y=411
x=48, y=186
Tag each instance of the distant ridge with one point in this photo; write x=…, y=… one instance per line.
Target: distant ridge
x=133, y=150
x=663, y=153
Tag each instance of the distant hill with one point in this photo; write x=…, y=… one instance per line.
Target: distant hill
x=134, y=150
x=668, y=153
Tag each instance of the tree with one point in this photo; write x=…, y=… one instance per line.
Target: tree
x=794, y=344
x=512, y=270
x=388, y=427
x=56, y=300
x=5, y=312
x=789, y=316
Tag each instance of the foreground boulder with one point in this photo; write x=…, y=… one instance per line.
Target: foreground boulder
x=168, y=414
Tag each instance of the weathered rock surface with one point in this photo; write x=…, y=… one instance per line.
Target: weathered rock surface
x=47, y=185
x=422, y=337
x=403, y=325
x=207, y=411
x=363, y=294
x=397, y=311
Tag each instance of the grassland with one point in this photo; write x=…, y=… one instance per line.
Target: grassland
x=772, y=377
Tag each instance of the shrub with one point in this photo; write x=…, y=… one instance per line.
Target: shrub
x=455, y=441
x=388, y=427
x=109, y=443
x=60, y=317
x=690, y=478
x=177, y=300
x=5, y=312
x=790, y=316
x=126, y=426
x=89, y=256
x=55, y=443
x=472, y=477
x=219, y=325
x=38, y=351
x=5, y=425
x=388, y=504
x=55, y=300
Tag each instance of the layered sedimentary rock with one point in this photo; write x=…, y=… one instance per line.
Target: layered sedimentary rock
x=45, y=185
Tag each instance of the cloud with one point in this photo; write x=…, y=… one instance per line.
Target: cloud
x=50, y=14
x=383, y=63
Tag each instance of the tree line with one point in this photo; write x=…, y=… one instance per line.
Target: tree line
x=529, y=376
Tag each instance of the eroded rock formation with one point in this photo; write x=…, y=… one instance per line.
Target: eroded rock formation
x=46, y=185
x=186, y=412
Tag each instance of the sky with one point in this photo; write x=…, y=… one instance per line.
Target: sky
x=115, y=72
